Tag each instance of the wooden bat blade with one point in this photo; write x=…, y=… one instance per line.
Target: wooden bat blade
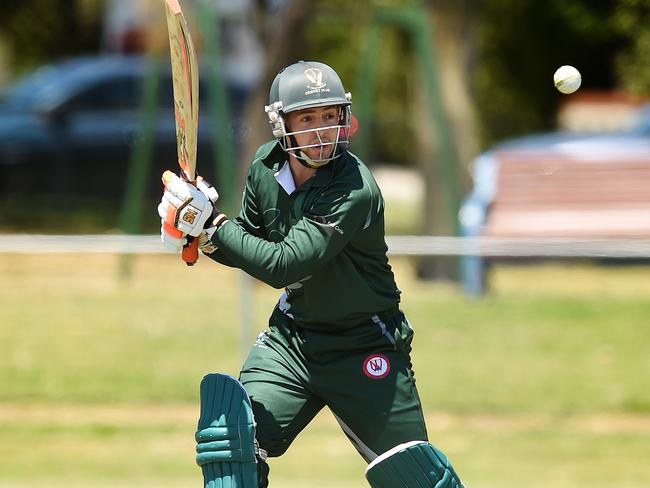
x=185, y=79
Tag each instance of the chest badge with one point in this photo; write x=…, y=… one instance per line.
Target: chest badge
x=376, y=366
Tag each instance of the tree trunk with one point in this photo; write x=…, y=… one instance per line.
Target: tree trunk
x=283, y=40
x=454, y=45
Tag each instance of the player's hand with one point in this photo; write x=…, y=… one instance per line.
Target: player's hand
x=174, y=240
x=186, y=207
x=206, y=246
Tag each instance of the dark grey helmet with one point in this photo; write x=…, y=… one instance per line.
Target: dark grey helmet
x=307, y=84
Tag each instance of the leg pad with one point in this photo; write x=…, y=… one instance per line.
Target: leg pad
x=225, y=437
x=414, y=464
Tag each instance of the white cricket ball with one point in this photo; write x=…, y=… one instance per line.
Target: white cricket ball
x=567, y=79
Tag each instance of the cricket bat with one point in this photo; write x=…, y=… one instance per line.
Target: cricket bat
x=185, y=78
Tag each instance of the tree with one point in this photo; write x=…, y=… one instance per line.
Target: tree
x=522, y=42
x=632, y=20
x=40, y=30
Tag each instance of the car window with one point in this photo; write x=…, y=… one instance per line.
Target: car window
x=30, y=90
x=113, y=94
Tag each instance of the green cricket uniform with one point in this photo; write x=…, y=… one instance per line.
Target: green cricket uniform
x=324, y=242
x=336, y=337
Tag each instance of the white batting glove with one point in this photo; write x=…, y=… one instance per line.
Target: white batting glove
x=172, y=239
x=185, y=207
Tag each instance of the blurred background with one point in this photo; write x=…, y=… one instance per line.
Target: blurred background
x=518, y=222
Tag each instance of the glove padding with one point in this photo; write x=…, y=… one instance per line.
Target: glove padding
x=185, y=208
x=172, y=239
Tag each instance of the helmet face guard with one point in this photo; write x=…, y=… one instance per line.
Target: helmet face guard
x=310, y=85
x=330, y=147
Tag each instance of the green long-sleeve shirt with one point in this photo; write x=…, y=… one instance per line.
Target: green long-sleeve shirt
x=323, y=242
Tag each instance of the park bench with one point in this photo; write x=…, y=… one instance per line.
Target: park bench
x=570, y=192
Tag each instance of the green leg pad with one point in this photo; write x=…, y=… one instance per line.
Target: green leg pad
x=225, y=438
x=414, y=464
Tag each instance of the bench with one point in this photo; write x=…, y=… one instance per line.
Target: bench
x=568, y=191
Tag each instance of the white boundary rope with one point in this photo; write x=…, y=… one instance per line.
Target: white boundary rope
x=397, y=245
x=90, y=244
x=518, y=247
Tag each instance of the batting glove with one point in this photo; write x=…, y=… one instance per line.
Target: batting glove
x=172, y=239
x=185, y=207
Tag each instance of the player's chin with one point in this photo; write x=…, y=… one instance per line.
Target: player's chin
x=320, y=153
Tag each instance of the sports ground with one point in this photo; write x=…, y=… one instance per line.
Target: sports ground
x=542, y=383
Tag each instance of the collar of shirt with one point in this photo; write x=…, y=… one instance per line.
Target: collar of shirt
x=322, y=177
x=282, y=171
x=285, y=178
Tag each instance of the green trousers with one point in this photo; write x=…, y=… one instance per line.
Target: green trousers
x=363, y=375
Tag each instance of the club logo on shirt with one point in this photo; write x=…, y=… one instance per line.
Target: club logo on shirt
x=376, y=366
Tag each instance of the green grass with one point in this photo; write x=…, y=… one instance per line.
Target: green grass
x=542, y=383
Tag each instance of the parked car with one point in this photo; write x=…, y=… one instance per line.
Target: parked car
x=560, y=189
x=70, y=128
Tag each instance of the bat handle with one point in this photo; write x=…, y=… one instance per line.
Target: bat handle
x=191, y=251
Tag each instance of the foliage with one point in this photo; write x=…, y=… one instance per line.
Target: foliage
x=335, y=35
x=633, y=20
x=522, y=42
x=41, y=30
x=519, y=43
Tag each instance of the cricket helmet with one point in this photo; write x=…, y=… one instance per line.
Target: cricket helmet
x=302, y=85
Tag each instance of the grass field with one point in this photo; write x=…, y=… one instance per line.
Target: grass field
x=544, y=383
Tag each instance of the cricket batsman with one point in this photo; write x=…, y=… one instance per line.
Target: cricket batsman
x=311, y=224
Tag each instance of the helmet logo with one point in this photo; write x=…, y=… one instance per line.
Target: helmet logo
x=315, y=78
